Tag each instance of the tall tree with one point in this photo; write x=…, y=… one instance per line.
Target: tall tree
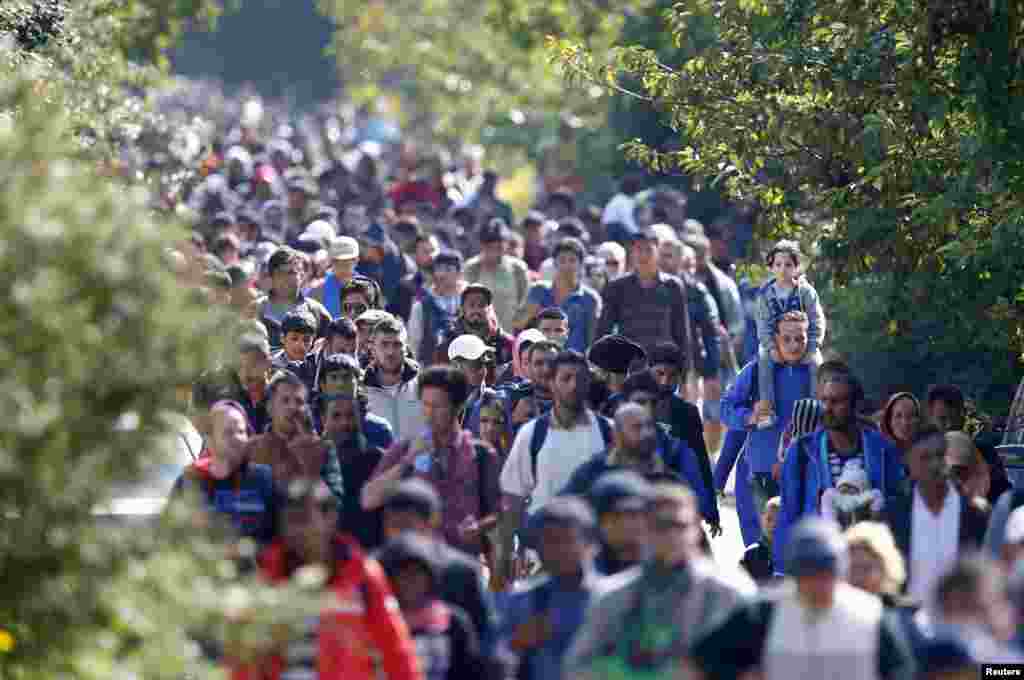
x=888, y=133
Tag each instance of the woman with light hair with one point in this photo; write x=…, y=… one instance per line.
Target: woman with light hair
x=967, y=469
x=614, y=257
x=876, y=564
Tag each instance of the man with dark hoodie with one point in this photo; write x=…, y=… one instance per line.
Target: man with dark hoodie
x=346, y=425
x=446, y=642
x=362, y=631
x=413, y=506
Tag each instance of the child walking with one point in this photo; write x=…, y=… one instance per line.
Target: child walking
x=788, y=291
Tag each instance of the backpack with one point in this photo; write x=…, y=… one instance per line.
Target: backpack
x=540, y=434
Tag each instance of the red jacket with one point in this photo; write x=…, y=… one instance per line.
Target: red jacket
x=359, y=627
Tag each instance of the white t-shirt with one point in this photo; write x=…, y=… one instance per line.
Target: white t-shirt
x=563, y=451
x=934, y=544
x=620, y=209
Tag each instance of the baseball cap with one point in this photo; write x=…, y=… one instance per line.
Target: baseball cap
x=344, y=248
x=468, y=347
x=372, y=317
x=620, y=492
x=567, y=510
x=531, y=336
x=322, y=230
x=815, y=546
x=415, y=495
x=477, y=288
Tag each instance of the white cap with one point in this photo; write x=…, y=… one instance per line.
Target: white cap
x=344, y=248
x=321, y=229
x=468, y=347
x=1015, y=527
x=532, y=336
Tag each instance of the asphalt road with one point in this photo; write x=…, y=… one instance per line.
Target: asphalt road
x=728, y=548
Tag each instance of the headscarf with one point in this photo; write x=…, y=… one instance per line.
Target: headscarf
x=529, y=335
x=886, y=422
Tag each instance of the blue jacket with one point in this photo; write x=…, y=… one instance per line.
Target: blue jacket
x=582, y=307
x=680, y=460
x=881, y=462
x=791, y=384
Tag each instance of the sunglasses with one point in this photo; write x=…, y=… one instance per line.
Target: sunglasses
x=353, y=309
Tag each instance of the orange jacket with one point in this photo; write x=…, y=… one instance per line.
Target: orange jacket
x=360, y=630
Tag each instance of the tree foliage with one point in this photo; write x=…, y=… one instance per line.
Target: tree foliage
x=887, y=132
x=464, y=65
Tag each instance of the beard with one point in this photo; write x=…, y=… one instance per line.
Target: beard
x=645, y=448
x=833, y=422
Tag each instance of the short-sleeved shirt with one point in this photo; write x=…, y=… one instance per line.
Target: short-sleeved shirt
x=561, y=454
x=582, y=306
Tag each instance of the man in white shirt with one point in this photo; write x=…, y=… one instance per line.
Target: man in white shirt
x=536, y=471
x=620, y=208
x=935, y=524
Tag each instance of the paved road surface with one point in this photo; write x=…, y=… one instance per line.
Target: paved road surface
x=728, y=547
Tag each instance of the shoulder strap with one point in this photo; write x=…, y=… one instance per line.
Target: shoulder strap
x=605, y=426
x=482, y=476
x=540, y=433
x=801, y=466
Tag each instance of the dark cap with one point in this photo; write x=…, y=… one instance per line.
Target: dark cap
x=341, y=362
x=666, y=353
x=299, y=321
x=642, y=381
x=494, y=231
x=416, y=496
x=620, y=492
x=479, y=289
x=408, y=548
x=816, y=545
x=565, y=510
x=615, y=354
x=451, y=258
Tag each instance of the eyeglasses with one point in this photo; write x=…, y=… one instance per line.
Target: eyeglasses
x=612, y=263
x=353, y=309
x=445, y=269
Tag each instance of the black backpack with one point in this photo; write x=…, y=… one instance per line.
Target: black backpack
x=540, y=434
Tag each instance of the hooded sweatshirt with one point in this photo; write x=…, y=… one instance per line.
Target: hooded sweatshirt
x=398, y=404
